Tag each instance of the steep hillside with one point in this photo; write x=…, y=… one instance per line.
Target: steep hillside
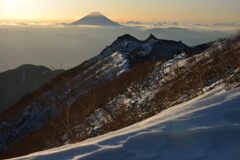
x=206, y=127
x=16, y=83
x=127, y=82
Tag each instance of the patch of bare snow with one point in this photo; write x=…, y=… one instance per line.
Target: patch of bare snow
x=207, y=127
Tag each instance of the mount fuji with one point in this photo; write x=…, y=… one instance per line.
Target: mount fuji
x=95, y=19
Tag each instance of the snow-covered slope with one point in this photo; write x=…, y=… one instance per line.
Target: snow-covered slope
x=207, y=127
x=129, y=81
x=113, y=61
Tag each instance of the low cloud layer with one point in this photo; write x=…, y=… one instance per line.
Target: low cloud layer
x=61, y=46
x=212, y=26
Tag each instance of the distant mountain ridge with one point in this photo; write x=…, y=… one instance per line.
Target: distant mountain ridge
x=187, y=35
x=95, y=19
x=16, y=83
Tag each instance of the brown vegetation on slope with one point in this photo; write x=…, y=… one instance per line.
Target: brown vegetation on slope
x=188, y=81
x=51, y=133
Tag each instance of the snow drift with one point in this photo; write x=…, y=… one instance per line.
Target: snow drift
x=207, y=127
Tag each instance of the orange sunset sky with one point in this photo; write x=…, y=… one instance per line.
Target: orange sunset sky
x=206, y=11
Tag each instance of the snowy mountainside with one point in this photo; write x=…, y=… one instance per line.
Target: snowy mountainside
x=127, y=82
x=141, y=98
x=206, y=127
x=30, y=114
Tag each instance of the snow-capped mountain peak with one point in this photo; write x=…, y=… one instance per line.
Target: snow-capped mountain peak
x=95, y=19
x=95, y=14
